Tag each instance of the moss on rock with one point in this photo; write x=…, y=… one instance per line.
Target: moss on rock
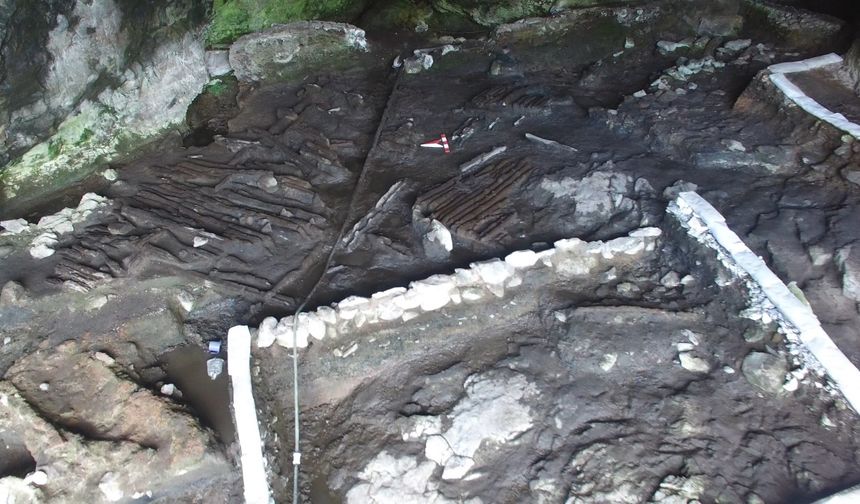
x=233, y=18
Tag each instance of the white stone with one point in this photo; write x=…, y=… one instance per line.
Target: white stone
x=436, y=449
x=186, y=301
x=37, y=478
x=522, y=259
x=734, y=146
x=607, y=362
x=387, y=479
x=389, y=309
x=266, y=333
x=493, y=272
x=328, y=314
x=439, y=233
x=671, y=280
x=110, y=174
x=199, y=241
x=465, y=277
x=684, y=347
x=472, y=294
x=819, y=255
x=456, y=467
x=694, y=364
x=285, y=334
x=422, y=426
x=168, y=389
x=434, y=292
x=667, y=46
x=90, y=202
x=316, y=327
x=15, y=226
x=572, y=265
x=545, y=256
x=218, y=63
x=491, y=411
x=646, y=232
x=109, y=487
x=692, y=337
x=44, y=387
x=97, y=302
x=349, y=307
x=496, y=290
x=105, y=358
x=389, y=293
x=848, y=262
x=42, y=246
x=737, y=45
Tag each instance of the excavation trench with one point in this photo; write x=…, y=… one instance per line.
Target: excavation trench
x=607, y=380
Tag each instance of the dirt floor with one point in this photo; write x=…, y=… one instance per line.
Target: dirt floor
x=319, y=190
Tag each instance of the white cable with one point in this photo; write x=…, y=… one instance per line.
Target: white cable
x=297, y=452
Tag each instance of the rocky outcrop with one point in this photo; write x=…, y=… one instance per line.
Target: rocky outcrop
x=111, y=78
x=852, y=64
x=294, y=49
x=135, y=448
x=799, y=28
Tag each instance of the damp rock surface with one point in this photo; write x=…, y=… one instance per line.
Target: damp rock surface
x=516, y=320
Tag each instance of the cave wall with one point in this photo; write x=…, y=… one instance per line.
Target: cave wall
x=84, y=82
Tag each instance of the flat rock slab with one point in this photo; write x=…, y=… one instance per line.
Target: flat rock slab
x=291, y=49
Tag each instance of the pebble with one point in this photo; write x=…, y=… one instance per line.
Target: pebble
x=737, y=45
x=37, y=478
x=103, y=357
x=671, y=280
x=694, y=364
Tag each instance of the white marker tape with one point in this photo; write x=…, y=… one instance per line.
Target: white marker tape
x=812, y=337
x=245, y=415
x=795, y=94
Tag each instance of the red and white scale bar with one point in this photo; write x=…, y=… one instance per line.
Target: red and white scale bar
x=441, y=143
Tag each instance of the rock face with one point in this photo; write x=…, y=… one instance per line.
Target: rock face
x=852, y=62
x=292, y=49
x=111, y=77
x=796, y=27
x=848, y=260
x=57, y=413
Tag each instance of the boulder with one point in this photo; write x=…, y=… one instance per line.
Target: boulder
x=294, y=49
x=765, y=371
x=848, y=262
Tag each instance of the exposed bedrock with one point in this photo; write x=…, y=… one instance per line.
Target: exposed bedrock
x=102, y=79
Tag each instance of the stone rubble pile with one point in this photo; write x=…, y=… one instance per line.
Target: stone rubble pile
x=50, y=227
x=569, y=258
